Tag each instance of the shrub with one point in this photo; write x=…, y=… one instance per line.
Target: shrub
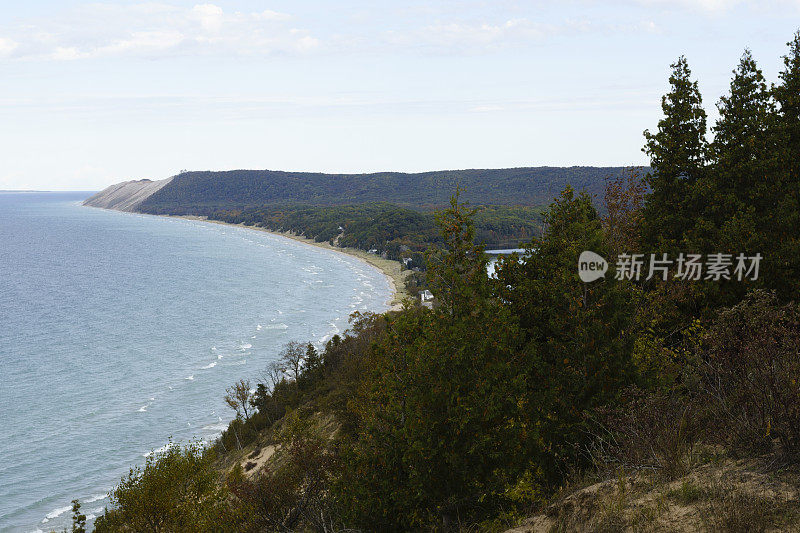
x=176, y=490
x=651, y=430
x=750, y=375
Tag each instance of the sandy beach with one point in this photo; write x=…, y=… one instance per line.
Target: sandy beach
x=391, y=269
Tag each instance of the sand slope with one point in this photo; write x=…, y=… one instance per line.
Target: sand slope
x=125, y=196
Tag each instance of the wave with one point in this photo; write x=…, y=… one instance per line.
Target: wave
x=279, y=325
x=96, y=498
x=55, y=513
x=190, y=378
x=143, y=409
x=209, y=365
x=216, y=427
x=245, y=346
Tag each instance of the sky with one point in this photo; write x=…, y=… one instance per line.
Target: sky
x=93, y=93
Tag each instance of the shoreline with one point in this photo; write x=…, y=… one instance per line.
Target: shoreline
x=389, y=268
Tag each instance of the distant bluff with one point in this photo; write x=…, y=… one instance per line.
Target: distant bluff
x=202, y=192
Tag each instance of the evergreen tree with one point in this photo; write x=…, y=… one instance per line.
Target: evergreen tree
x=678, y=152
x=783, y=267
x=741, y=185
x=313, y=360
x=457, y=274
x=578, y=336
x=78, y=518
x=440, y=437
x=312, y=367
x=743, y=143
x=787, y=93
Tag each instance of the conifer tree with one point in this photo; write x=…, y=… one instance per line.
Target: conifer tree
x=743, y=142
x=787, y=93
x=678, y=152
x=577, y=335
x=782, y=268
x=457, y=274
x=440, y=434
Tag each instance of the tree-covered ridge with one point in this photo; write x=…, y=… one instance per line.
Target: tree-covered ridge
x=200, y=193
x=398, y=231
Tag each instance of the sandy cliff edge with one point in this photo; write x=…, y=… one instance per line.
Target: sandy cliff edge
x=126, y=196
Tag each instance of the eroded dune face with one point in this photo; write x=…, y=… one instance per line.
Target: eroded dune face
x=126, y=196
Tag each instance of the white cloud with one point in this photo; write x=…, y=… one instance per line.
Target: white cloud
x=66, y=53
x=210, y=16
x=459, y=34
x=143, y=41
x=154, y=30
x=7, y=46
x=710, y=6
x=271, y=15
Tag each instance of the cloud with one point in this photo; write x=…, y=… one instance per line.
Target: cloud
x=271, y=15
x=464, y=37
x=709, y=6
x=154, y=30
x=7, y=46
x=210, y=16
x=470, y=35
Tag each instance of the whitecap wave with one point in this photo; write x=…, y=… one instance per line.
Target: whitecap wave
x=209, y=365
x=190, y=378
x=143, y=409
x=96, y=498
x=216, y=427
x=55, y=513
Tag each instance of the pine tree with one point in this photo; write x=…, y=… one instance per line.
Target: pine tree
x=787, y=93
x=743, y=142
x=742, y=184
x=783, y=268
x=440, y=436
x=678, y=152
x=457, y=274
x=78, y=518
x=578, y=344
x=312, y=366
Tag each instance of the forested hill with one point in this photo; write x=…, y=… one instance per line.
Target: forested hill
x=199, y=192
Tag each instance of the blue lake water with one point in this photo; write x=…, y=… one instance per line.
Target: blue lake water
x=120, y=330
